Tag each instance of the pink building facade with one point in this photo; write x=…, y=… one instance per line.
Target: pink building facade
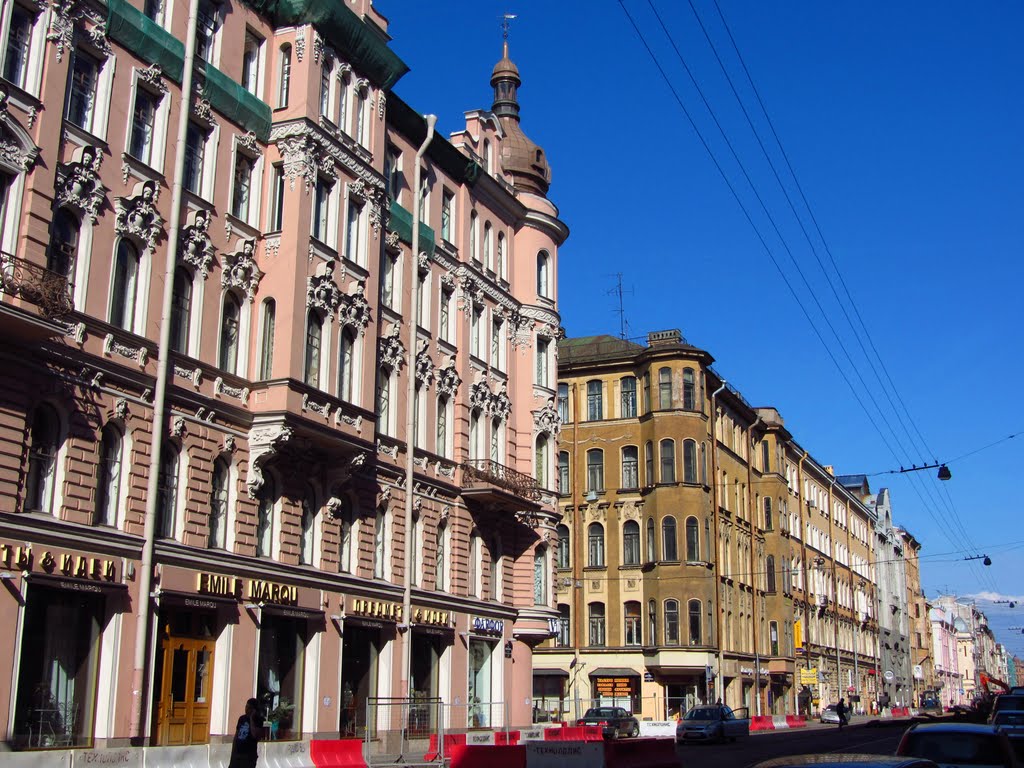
x=281, y=553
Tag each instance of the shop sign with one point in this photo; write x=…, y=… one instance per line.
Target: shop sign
x=377, y=609
x=218, y=584
x=259, y=591
x=269, y=592
x=488, y=626
x=648, y=677
x=746, y=671
x=809, y=676
x=71, y=565
x=613, y=686
x=431, y=616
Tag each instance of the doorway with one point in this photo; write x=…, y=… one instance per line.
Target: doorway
x=184, y=674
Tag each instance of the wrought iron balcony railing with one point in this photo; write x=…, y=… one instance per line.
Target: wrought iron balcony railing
x=478, y=472
x=37, y=285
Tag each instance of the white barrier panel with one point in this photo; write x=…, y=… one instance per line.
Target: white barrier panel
x=196, y=756
x=220, y=754
x=564, y=754
x=779, y=721
x=480, y=738
x=47, y=759
x=531, y=734
x=285, y=754
x=658, y=728
x=126, y=757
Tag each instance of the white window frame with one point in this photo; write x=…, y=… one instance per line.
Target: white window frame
x=104, y=87
x=329, y=236
x=219, y=9
x=244, y=321
x=158, y=141
x=209, y=175
x=252, y=213
x=261, y=62
x=359, y=257
x=37, y=41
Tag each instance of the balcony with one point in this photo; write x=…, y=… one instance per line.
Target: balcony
x=48, y=291
x=493, y=483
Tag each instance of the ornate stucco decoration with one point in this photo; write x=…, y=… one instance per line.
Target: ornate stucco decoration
x=355, y=309
x=381, y=104
x=111, y=346
x=121, y=408
x=248, y=141
x=17, y=150
x=321, y=290
x=300, y=43
x=264, y=442
x=336, y=505
x=546, y=420
x=305, y=156
x=196, y=247
x=501, y=405
x=448, y=379
x=79, y=185
x=479, y=394
x=392, y=350
x=392, y=241
x=423, y=263
x=229, y=446
x=137, y=216
x=424, y=366
x=310, y=144
x=65, y=14
x=494, y=404
x=154, y=75
x=178, y=426
x=202, y=107
x=318, y=46
x=240, y=270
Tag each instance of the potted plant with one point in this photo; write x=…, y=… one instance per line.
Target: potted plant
x=280, y=716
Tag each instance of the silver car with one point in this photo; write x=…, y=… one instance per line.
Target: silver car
x=830, y=715
x=715, y=722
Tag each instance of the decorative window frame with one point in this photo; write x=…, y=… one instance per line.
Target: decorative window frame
x=247, y=145
x=149, y=79
x=37, y=44
x=104, y=87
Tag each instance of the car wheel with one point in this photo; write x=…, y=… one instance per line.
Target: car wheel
x=635, y=732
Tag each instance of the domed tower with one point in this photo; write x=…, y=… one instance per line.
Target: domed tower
x=521, y=158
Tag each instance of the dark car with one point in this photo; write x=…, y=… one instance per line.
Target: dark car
x=1010, y=721
x=1006, y=702
x=958, y=744
x=614, y=722
x=831, y=760
x=715, y=722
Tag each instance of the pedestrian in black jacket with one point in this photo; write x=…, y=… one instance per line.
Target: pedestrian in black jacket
x=841, y=711
x=248, y=732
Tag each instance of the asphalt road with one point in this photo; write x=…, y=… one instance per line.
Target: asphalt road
x=877, y=739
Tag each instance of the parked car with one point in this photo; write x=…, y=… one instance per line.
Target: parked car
x=1005, y=702
x=958, y=744
x=1009, y=721
x=715, y=722
x=830, y=715
x=832, y=760
x=614, y=722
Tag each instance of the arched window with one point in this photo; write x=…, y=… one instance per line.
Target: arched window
x=595, y=470
x=167, y=491
x=284, y=75
x=63, y=249
x=649, y=463
x=694, y=611
x=689, y=461
x=181, y=309
x=596, y=619
x=540, y=576
x=664, y=388
x=563, y=559
x=229, y=325
x=269, y=320
x=218, y=505
x=770, y=572
x=631, y=623
x=307, y=528
x=265, y=519
x=108, y=478
x=563, y=473
x=595, y=544
x=630, y=467
x=652, y=622
x=631, y=543
x=768, y=521
x=441, y=557
x=668, y=460
x=671, y=622
x=542, y=273
x=124, y=286
x=346, y=364
x=362, y=96
x=689, y=391
x=380, y=531
x=670, y=548
x=627, y=395
x=652, y=541
x=541, y=460
x=314, y=338
x=692, y=540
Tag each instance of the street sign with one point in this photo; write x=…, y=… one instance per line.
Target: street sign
x=809, y=676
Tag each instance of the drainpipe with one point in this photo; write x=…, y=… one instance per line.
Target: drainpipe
x=806, y=570
x=410, y=413
x=142, y=630
x=755, y=629
x=714, y=518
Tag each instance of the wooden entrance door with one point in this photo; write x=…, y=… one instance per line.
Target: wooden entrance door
x=183, y=710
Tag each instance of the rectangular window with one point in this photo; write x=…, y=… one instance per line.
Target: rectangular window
x=597, y=624
x=280, y=665
x=595, y=471
x=206, y=30
x=393, y=172
x=19, y=45
x=773, y=633
x=542, y=362
x=251, y=56
x=671, y=623
x=497, y=329
x=630, y=467
x=444, y=315
x=627, y=406
x=447, y=215
x=387, y=282
x=195, y=153
x=321, y=200
x=595, y=403
x=632, y=624
x=85, y=72
x=563, y=403
x=476, y=320
x=325, y=88
x=563, y=477
x=353, y=232
x=277, y=199
x=242, y=186
x=154, y=10
x=143, y=120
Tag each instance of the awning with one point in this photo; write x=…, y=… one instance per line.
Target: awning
x=145, y=38
x=235, y=102
x=549, y=672
x=60, y=581
x=193, y=600
x=614, y=672
x=292, y=611
x=401, y=222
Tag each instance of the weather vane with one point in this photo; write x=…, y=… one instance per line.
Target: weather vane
x=506, y=24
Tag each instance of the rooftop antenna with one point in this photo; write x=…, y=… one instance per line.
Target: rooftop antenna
x=506, y=24
x=618, y=291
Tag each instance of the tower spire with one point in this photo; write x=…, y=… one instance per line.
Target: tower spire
x=505, y=76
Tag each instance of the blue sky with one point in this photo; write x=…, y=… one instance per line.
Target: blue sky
x=903, y=123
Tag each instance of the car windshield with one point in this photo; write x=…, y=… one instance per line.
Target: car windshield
x=956, y=748
x=707, y=713
x=1012, y=717
x=600, y=712
x=1009, y=702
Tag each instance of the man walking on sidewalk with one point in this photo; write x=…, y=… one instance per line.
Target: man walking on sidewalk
x=841, y=711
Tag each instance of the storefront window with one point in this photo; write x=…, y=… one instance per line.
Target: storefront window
x=279, y=674
x=426, y=663
x=549, y=698
x=360, y=649
x=57, y=682
x=480, y=652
